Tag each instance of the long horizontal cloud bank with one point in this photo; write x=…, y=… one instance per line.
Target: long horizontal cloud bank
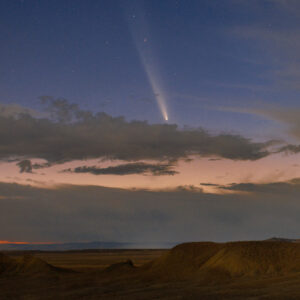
x=89, y=213
x=71, y=134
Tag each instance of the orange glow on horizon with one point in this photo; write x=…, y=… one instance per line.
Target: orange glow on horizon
x=17, y=243
x=27, y=243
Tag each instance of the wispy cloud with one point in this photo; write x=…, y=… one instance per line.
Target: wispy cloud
x=280, y=48
x=288, y=116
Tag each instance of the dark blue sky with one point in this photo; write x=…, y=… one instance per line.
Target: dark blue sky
x=219, y=66
x=210, y=55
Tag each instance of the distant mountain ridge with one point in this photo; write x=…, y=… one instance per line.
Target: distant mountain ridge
x=84, y=246
x=105, y=245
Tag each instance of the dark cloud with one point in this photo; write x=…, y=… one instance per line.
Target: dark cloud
x=288, y=187
x=189, y=188
x=209, y=184
x=290, y=149
x=70, y=134
x=60, y=109
x=89, y=213
x=127, y=169
x=43, y=165
x=25, y=166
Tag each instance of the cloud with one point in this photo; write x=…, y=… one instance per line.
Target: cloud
x=284, y=115
x=278, y=48
x=127, y=169
x=88, y=213
x=290, y=149
x=14, y=110
x=288, y=187
x=188, y=188
x=287, y=116
x=74, y=134
x=272, y=38
x=209, y=184
x=25, y=166
x=291, y=6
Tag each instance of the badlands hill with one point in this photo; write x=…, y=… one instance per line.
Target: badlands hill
x=25, y=265
x=205, y=270
x=203, y=260
x=227, y=260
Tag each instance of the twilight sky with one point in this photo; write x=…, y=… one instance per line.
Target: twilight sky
x=139, y=121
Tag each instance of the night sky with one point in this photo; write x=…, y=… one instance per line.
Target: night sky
x=140, y=121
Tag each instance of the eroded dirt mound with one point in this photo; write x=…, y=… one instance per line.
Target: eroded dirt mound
x=26, y=264
x=30, y=264
x=7, y=264
x=218, y=261
x=120, y=267
x=183, y=261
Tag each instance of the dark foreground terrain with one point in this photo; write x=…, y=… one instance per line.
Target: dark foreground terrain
x=240, y=270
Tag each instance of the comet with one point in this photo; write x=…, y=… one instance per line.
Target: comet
x=145, y=48
x=158, y=91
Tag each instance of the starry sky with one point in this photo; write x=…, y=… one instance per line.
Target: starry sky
x=140, y=110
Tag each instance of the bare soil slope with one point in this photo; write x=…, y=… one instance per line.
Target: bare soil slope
x=201, y=260
x=239, y=270
x=25, y=265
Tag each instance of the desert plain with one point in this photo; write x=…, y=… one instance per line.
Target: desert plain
x=204, y=270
